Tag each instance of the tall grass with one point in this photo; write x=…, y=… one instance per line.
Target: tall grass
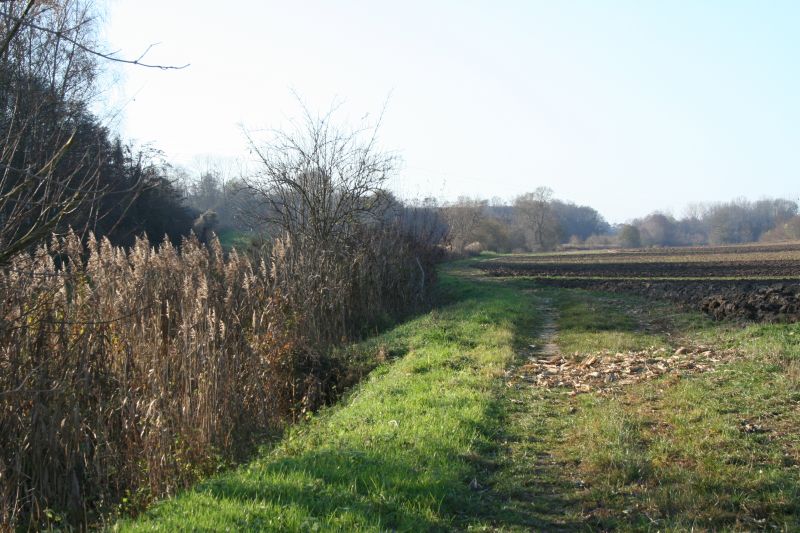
x=126, y=374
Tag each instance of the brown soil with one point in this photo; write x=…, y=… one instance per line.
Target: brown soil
x=694, y=269
x=695, y=277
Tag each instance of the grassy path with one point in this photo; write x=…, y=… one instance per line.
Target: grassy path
x=454, y=433
x=687, y=450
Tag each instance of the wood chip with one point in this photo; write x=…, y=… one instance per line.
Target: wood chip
x=603, y=372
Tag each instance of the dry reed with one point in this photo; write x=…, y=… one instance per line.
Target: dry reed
x=127, y=374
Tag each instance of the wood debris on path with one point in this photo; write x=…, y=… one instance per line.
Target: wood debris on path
x=605, y=371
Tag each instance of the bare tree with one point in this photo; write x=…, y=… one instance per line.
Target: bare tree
x=49, y=164
x=535, y=215
x=463, y=217
x=44, y=78
x=629, y=236
x=658, y=229
x=319, y=181
x=320, y=199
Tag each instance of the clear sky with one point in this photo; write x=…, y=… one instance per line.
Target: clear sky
x=627, y=106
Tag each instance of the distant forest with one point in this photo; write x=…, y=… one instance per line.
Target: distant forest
x=534, y=221
x=538, y=222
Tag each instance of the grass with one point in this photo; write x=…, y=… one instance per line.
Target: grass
x=232, y=238
x=591, y=322
x=703, y=452
x=398, y=453
x=718, y=451
x=437, y=438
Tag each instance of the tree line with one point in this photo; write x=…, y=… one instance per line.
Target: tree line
x=735, y=222
x=537, y=221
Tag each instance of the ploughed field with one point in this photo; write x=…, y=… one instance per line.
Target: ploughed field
x=752, y=282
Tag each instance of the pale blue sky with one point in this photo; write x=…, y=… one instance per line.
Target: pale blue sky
x=628, y=106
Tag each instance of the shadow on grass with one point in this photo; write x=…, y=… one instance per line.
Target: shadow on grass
x=346, y=487
x=520, y=495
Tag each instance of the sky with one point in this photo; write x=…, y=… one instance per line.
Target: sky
x=627, y=106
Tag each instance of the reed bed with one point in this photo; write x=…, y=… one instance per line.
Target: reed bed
x=126, y=374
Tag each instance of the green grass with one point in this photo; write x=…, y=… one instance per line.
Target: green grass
x=712, y=451
x=398, y=453
x=231, y=238
x=676, y=454
x=591, y=322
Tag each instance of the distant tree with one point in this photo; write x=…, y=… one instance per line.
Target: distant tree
x=690, y=230
x=493, y=234
x=657, y=229
x=537, y=219
x=786, y=231
x=629, y=236
x=768, y=213
x=463, y=218
x=792, y=228
x=207, y=191
x=578, y=220
x=729, y=224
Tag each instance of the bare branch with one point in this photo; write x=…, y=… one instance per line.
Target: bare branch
x=110, y=56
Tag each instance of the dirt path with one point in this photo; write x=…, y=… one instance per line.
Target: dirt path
x=548, y=333
x=529, y=489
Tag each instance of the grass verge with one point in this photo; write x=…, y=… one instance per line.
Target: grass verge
x=399, y=453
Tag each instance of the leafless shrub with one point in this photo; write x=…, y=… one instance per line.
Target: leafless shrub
x=343, y=249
